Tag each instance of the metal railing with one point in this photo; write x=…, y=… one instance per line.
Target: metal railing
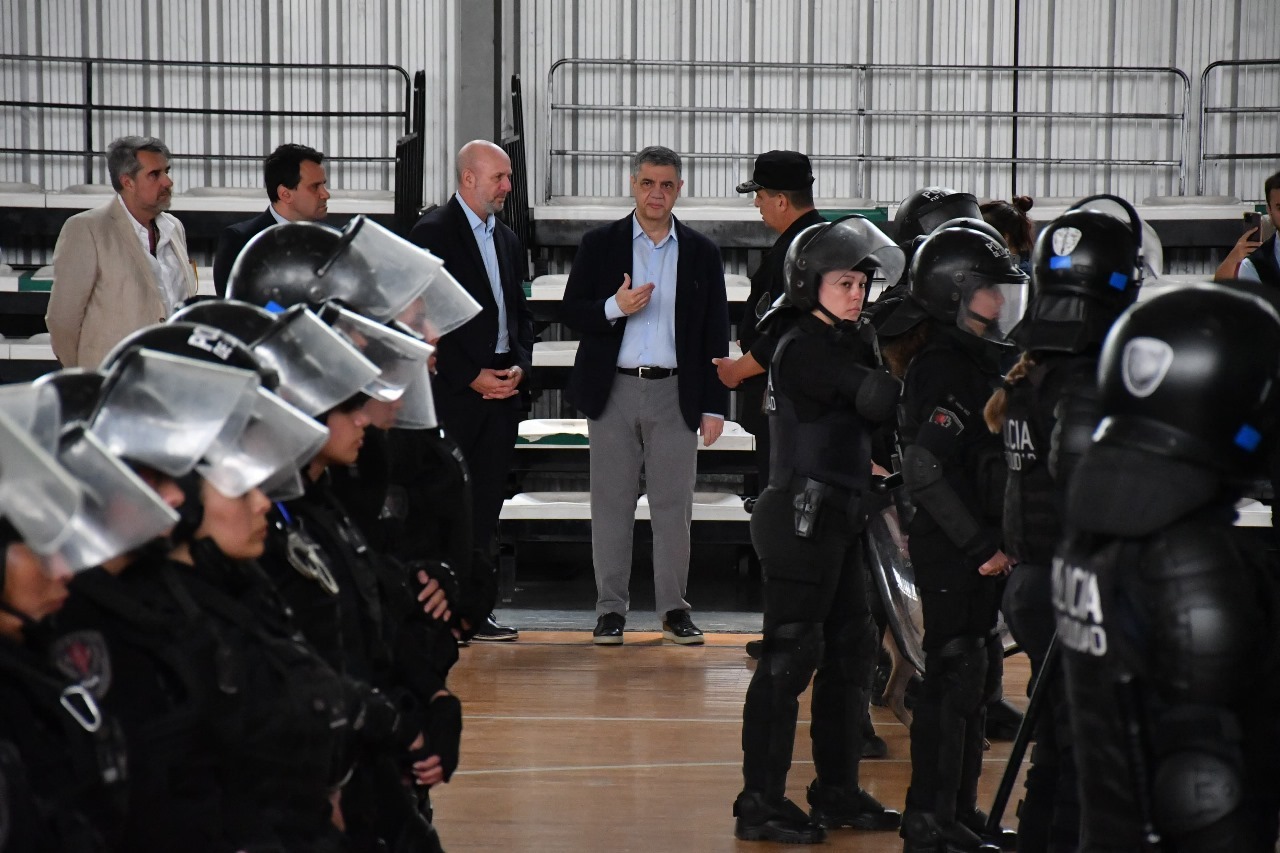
x=1249, y=106
x=213, y=112
x=1002, y=123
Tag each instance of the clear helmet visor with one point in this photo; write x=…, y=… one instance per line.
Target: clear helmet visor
x=392, y=271
x=276, y=437
x=399, y=357
x=285, y=485
x=78, y=391
x=1152, y=248
x=853, y=243
x=417, y=407
x=35, y=408
x=165, y=411
x=119, y=512
x=37, y=495
x=318, y=368
x=442, y=308
x=992, y=310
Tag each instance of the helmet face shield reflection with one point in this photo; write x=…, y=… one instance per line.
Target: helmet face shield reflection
x=392, y=271
x=36, y=495
x=35, y=408
x=166, y=411
x=992, y=311
x=398, y=356
x=119, y=511
x=442, y=308
x=417, y=406
x=276, y=438
x=318, y=368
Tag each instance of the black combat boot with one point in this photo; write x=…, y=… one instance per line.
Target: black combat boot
x=782, y=821
x=834, y=807
x=921, y=833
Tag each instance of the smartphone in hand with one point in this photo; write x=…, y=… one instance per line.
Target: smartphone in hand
x=1253, y=220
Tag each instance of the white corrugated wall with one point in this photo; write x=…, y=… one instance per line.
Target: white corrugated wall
x=1175, y=34
x=407, y=33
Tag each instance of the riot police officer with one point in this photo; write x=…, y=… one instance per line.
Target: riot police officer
x=806, y=529
x=63, y=761
x=1087, y=268
x=965, y=293
x=1167, y=614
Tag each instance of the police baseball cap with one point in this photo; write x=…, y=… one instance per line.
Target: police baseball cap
x=779, y=170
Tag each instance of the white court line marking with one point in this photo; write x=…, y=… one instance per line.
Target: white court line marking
x=867, y=764
x=556, y=719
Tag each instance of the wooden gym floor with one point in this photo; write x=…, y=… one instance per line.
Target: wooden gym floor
x=573, y=748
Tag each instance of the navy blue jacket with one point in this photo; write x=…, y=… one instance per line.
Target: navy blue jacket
x=701, y=321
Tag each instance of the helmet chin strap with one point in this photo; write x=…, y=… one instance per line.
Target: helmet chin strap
x=835, y=321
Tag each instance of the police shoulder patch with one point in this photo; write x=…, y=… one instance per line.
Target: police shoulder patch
x=947, y=419
x=83, y=656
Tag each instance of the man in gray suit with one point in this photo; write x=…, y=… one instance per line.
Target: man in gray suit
x=121, y=266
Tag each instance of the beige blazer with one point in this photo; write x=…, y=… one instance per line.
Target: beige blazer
x=103, y=285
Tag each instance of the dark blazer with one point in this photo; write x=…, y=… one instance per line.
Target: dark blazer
x=462, y=353
x=232, y=240
x=701, y=321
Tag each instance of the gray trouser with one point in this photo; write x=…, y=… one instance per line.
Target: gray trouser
x=641, y=426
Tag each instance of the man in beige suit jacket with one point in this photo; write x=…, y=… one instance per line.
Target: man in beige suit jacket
x=121, y=266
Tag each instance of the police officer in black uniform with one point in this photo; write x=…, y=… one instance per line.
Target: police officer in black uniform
x=966, y=290
x=826, y=394
x=1167, y=614
x=924, y=211
x=1087, y=268
x=63, y=761
x=783, y=185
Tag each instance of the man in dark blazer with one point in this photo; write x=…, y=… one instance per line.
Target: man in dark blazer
x=482, y=368
x=296, y=184
x=647, y=296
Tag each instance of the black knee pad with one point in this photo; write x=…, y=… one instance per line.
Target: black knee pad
x=962, y=666
x=792, y=654
x=853, y=652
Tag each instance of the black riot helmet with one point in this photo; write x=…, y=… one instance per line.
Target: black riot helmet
x=925, y=209
x=1087, y=267
x=183, y=396
x=365, y=266
x=964, y=278
x=1193, y=375
x=973, y=224
x=849, y=243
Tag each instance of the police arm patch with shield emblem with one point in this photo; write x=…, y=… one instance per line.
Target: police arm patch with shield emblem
x=83, y=657
x=947, y=419
x=1144, y=365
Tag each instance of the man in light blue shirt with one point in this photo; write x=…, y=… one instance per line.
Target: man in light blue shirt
x=647, y=296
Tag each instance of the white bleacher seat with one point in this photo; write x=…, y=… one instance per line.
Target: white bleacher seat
x=576, y=506
x=79, y=196
x=1183, y=200
x=1253, y=514
x=535, y=430
x=21, y=194
x=34, y=348
x=251, y=200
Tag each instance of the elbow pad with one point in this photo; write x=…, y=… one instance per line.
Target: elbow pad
x=923, y=478
x=877, y=397
x=874, y=393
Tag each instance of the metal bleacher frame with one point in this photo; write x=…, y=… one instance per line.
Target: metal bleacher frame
x=1232, y=113
x=204, y=211
x=33, y=215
